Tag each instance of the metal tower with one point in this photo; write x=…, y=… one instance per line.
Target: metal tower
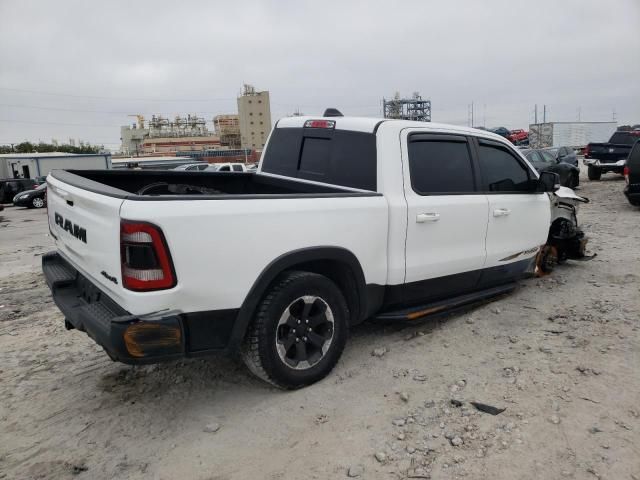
x=414, y=108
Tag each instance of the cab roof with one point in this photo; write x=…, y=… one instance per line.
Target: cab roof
x=371, y=125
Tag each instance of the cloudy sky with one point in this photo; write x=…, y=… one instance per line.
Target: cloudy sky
x=76, y=69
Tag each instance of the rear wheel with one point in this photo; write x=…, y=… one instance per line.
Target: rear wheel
x=573, y=180
x=299, y=331
x=594, y=173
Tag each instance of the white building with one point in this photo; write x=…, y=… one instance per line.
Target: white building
x=33, y=165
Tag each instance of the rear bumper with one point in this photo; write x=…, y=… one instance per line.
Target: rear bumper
x=133, y=339
x=617, y=166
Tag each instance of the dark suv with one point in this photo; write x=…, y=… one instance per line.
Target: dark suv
x=632, y=176
x=9, y=188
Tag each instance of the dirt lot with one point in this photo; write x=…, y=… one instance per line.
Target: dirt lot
x=561, y=354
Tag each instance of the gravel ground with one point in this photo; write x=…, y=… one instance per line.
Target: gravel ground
x=561, y=355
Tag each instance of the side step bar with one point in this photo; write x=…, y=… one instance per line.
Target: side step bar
x=449, y=304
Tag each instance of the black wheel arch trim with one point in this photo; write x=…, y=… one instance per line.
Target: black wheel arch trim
x=285, y=262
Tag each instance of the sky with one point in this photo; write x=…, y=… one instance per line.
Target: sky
x=77, y=69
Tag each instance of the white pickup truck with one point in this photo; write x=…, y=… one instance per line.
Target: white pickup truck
x=346, y=219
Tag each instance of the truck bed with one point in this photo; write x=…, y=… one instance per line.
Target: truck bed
x=181, y=185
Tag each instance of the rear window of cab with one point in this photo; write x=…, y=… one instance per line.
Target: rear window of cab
x=338, y=157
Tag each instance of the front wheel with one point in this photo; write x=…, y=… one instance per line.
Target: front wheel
x=299, y=331
x=594, y=173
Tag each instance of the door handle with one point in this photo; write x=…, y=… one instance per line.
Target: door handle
x=501, y=212
x=427, y=217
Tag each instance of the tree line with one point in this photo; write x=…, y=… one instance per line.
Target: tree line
x=41, y=147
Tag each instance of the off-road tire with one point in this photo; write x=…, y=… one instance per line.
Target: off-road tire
x=594, y=173
x=259, y=350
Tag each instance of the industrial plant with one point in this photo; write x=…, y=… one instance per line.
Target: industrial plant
x=160, y=135
x=414, y=108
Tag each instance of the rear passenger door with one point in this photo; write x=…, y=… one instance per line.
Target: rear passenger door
x=447, y=216
x=518, y=215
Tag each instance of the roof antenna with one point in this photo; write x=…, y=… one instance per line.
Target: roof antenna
x=332, y=112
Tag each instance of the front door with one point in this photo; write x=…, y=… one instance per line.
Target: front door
x=518, y=215
x=447, y=216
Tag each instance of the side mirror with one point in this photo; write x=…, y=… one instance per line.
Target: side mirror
x=548, y=182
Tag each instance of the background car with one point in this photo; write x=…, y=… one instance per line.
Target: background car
x=564, y=154
x=542, y=160
x=502, y=131
x=9, y=188
x=227, y=167
x=632, y=176
x=193, y=166
x=32, y=198
x=518, y=137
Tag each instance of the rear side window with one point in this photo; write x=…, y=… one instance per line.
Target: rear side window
x=547, y=157
x=337, y=157
x=440, y=166
x=501, y=170
x=237, y=168
x=533, y=157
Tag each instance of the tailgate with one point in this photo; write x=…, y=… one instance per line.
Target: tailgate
x=86, y=229
x=608, y=152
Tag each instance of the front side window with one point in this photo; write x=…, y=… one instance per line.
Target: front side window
x=440, y=167
x=501, y=169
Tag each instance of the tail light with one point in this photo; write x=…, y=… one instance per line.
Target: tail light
x=587, y=151
x=145, y=259
x=625, y=172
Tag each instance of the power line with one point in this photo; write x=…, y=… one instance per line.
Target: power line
x=104, y=97
x=59, y=123
x=108, y=112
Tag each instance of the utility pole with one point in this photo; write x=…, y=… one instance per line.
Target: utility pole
x=613, y=117
x=473, y=122
x=544, y=114
x=579, y=112
x=535, y=114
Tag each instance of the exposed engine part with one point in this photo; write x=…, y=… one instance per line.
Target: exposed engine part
x=566, y=237
x=164, y=188
x=565, y=240
x=546, y=260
